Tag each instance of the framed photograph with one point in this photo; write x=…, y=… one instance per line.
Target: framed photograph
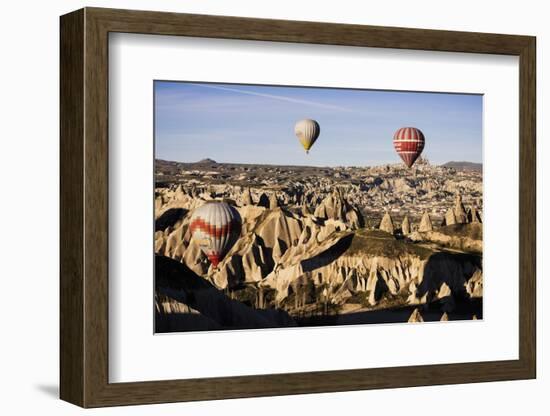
x=256, y=207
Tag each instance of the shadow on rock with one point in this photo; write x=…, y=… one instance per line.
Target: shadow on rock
x=169, y=218
x=329, y=255
x=214, y=310
x=464, y=310
x=453, y=269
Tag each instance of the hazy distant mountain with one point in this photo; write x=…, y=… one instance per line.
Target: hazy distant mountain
x=172, y=167
x=478, y=167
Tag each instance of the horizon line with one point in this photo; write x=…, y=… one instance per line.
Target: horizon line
x=311, y=166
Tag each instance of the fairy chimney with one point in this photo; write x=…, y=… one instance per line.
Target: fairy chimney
x=247, y=197
x=450, y=218
x=425, y=223
x=387, y=223
x=474, y=215
x=415, y=316
x=459, y=211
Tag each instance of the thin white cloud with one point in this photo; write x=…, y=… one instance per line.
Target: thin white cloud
x=277, y=97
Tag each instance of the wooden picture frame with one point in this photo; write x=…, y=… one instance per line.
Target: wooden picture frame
x=84, y=207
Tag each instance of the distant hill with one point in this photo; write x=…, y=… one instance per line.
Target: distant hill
x=206, y=161
x=478, y=167
x=173, y=167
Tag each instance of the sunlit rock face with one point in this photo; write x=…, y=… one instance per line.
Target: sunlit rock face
x=387, y=223
x=425, y=223
x=336, y=207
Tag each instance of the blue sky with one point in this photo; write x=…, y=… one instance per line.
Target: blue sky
x=255, y=124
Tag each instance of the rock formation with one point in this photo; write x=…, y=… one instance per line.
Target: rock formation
x=306, y=210
x=307, y=236
x=387, y=223
x=459, y=210
x=474, y=215
x=247, y=197
x=474, y=286
x=450, y=218
x=415, y=316
x=335, y=207
x=425, y=223
x=273, y=203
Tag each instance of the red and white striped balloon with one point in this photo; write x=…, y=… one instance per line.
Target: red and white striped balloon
x=215, y=227
x=408, y=143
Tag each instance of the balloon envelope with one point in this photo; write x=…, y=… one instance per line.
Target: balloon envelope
x=215, y=227
x=307, y=131
x=408, y=143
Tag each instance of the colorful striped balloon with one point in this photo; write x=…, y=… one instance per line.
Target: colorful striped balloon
x=215, y=227
x=408, y=143
x=307, y=132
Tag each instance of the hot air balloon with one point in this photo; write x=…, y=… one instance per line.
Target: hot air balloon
x=408, y=143
x=307, y=131
x=215, y=227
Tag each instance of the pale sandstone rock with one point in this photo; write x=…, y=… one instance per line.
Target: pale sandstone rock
x=387, y=223
x=444, y=291
x=415, y=317
x=335, y=207
x=459, y=210
x=450, y=218
x=273, y=202
x=474, y=286
x=247, y=197
x=425, y=223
